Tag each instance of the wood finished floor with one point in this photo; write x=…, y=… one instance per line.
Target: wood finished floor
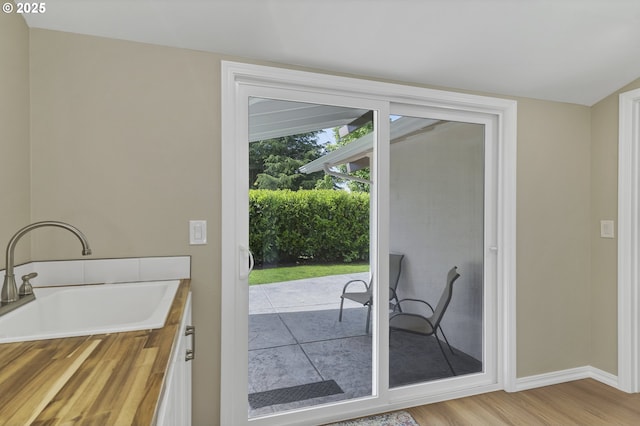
x=582, y=402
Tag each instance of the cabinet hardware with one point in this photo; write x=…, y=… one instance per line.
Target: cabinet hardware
x=191, y=353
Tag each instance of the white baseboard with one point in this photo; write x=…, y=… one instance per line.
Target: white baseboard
x=556, y=377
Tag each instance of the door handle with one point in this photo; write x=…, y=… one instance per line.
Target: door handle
x=252, y=262
x=246, y=257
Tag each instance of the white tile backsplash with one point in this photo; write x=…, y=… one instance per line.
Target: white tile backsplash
x=111, y=270
x=93, y=271
x=164, y=268
x=58, y=273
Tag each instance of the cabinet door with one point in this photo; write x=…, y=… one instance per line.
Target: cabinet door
x=175, y=408
x=186, y=355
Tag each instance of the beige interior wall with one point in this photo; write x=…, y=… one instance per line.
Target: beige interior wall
x=14, y=142
x=126, y=145
x=553, y=218
x=604, y=205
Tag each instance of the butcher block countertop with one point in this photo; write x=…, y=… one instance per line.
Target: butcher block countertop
x=106, y=379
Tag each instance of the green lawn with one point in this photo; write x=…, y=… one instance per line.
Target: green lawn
x=289, y=273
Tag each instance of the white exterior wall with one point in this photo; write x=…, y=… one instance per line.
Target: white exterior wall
x=437, y=201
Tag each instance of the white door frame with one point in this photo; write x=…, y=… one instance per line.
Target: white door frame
x=629, y=242
x=235, y=77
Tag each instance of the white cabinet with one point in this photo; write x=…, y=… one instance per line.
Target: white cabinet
x=175, y=405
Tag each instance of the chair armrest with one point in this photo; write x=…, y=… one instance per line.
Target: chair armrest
x=366, y=286
x=414, y=300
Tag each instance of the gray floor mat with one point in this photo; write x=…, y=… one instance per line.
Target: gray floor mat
x=294, y=393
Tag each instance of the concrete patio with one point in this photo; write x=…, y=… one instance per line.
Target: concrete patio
x=296, y=340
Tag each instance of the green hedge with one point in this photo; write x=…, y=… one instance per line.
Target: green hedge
x=314, y=226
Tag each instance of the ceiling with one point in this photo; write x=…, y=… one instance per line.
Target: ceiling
x=576, y=51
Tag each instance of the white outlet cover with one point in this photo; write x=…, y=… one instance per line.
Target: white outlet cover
x=197, y=232
x=607, y=229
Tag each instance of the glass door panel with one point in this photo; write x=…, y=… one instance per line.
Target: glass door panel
x=437, y=223
x=310, y=291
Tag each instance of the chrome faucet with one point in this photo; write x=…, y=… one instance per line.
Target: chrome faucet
x=9, y=288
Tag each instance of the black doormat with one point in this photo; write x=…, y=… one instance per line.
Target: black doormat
x=294, y=393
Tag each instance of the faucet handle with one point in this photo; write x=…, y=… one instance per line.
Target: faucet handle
x=26, y=288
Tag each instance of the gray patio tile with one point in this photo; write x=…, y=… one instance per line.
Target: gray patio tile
x=308, y=308
x=268, y=331
x=312, y=294
x=279, y=367
x=258, y=301
x=338, y=350
x=414, y=359
x=347, y=361
x=311, y=326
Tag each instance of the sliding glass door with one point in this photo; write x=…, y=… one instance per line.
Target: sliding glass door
x=360, y=246
x=437, y=215
x=310, y=290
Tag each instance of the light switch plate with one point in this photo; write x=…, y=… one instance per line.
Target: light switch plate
x=607, y=229
x=197, y=232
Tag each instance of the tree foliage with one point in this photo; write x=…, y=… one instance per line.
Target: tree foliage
x=274, y=163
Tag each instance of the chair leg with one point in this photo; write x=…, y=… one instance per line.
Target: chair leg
x=368, y=318
x=341, y=303
x=445, y=339
x=444, y=354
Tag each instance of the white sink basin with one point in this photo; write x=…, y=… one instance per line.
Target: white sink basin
x=91, y=309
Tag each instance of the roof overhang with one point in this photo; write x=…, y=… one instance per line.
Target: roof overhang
x=356, y=151
x=273, y=118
